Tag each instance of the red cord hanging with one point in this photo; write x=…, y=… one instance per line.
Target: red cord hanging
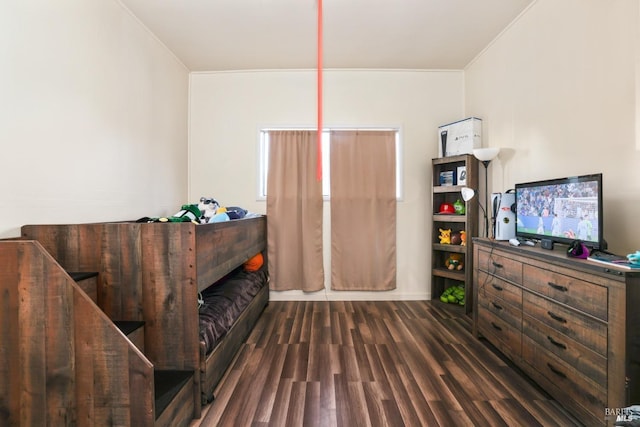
x=319, y=80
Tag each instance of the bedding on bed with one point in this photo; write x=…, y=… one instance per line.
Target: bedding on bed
x=225, y=300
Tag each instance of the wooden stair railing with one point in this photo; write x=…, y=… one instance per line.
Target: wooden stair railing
x=62, y=360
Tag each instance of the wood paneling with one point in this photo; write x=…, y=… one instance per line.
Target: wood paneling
x=62, y=360
x=121, y=272
x=170, y=296
x=110, y=249
x=76, y=247
x=225, y=246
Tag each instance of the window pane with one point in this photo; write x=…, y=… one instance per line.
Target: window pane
x=326, y=179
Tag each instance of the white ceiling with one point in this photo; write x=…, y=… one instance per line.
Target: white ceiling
x=213, y=35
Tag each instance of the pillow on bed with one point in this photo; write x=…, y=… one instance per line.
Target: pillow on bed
x=254, y=263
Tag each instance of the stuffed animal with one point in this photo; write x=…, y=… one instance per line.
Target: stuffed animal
x=208, y=207
x=445, y=236
x=454, y=295
x=456, y=238
x=187, y=213
x=454, y=262
x=463, y=238
x=220, y=215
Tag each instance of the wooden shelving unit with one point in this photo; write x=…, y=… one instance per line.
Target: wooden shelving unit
x=441, y=277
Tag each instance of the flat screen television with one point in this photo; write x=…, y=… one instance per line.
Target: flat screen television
x=562, y=210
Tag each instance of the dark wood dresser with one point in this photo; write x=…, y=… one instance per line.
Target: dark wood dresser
x=572, y=325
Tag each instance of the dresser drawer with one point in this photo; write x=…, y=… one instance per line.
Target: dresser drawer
x=500, y=266
x=583, y=359
x=586, y=330
x=492, y=286
x=582, y=295
x=499, y=332
x=503, y=310
x=564, y=378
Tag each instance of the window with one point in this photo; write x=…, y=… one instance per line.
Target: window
x=326, y=179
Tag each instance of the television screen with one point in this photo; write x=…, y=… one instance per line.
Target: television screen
x=563, y=210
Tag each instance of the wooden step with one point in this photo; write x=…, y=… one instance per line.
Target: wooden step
x=88, y=281
x=134, y=330
x=174, y=402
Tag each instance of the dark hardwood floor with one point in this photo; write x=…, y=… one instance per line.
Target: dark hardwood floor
x=384, y=363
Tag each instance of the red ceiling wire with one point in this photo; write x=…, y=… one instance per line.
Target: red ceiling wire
x=319, y=78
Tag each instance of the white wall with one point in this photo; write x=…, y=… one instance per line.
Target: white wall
x=227, y=110
x=557, y=92
x=93, y=116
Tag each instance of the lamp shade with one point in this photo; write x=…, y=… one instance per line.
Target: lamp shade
x=486, y=154
x=467, y=193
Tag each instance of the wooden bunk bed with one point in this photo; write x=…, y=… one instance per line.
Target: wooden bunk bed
x=147, y=272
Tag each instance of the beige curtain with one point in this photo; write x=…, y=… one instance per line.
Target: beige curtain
x=363, y=210
x=294, y=212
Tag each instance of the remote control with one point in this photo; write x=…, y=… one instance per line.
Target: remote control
x=514, y=242
x=529, y=243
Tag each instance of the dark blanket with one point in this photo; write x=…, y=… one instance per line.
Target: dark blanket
x=224, y=301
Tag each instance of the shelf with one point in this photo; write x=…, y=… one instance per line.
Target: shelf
x=447, y=188
x=453, y=308
x=449, y=218
x=449, y=274
x=450, y=248
x=462, y=158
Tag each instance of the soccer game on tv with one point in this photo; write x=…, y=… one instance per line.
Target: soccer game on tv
x=562, y=209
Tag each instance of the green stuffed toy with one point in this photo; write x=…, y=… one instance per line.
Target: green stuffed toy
x=453, y=295
x=187, y=213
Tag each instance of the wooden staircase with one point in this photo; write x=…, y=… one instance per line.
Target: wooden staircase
x=65, y=360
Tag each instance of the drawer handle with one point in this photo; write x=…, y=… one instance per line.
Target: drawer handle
x=496, y=287
x=555, y=371
x=496, y=265
x=496, y=326
x=556, y=343
x=558, y=287
x=556, y=317
x=497, y=306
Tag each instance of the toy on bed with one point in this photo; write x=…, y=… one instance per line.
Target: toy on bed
x=209, y=207
x=187, y=213
x=212, y=211
x=254, y=263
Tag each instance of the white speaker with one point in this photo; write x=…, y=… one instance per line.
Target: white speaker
x=504, y=215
